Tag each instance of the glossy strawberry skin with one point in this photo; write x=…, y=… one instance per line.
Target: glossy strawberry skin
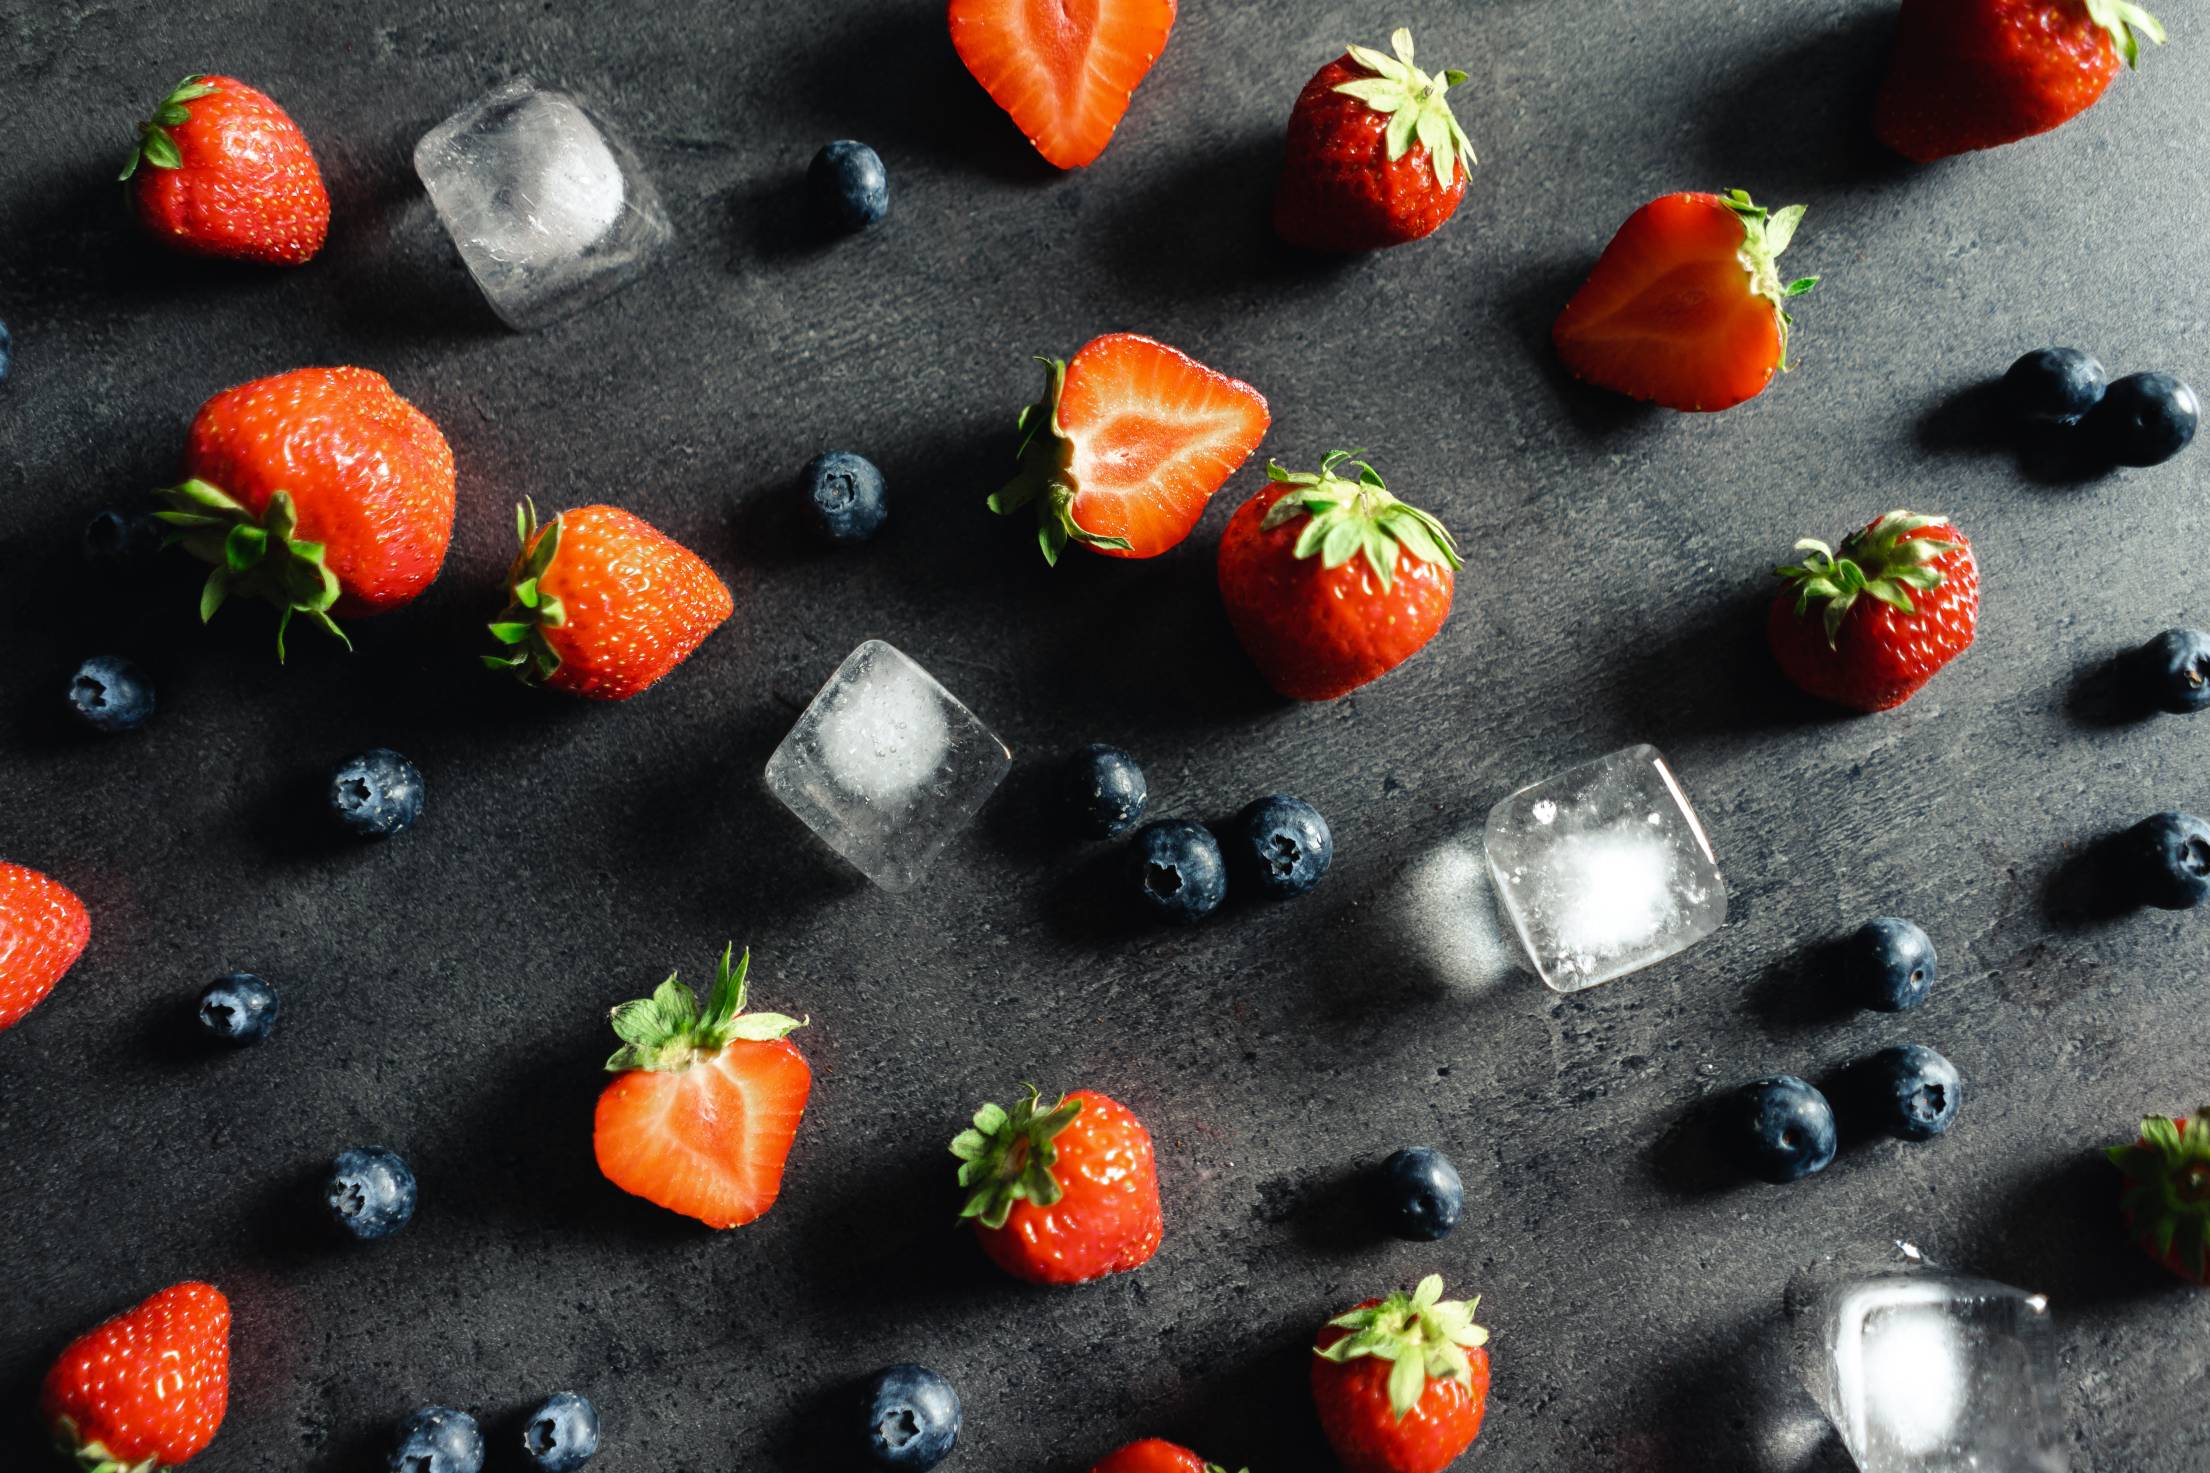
x=369, y=474
x=1881, y=656
x=1352, y=1398
x=637, y=603
x=248, y=188
x=1317, y=633
x=43, y=930
x=1972, y=74
x=1108, y=1219
x=1340, y=191
x=150, y=1385
x=1152, y=1455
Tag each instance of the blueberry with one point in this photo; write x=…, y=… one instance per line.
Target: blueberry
x=121, y=541
x=2145, y=419
x=1915, y=1090
x=7, y=352
x=377, y=794
x=109, y=693
x=1889, y=964
x=848, y=186
x=1279, y=846
x=2053, y=386
x=371, y=1193
x=562, y=1434
x=239, y=1008
x=1179, y=872
x=1420, y=1195
x=438, y=1440
x=2174, y=670
x=1106, y=791
x=912, y=1418
x=844, y=496
x=1782, y=1128
x=2169, y=857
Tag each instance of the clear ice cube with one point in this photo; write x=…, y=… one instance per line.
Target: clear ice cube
x=1604, y=869
x=544, y=202
x=886, y=765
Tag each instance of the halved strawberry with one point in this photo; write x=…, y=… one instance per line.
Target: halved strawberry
x=703, y=1113
x=1128, y=445
x=1063, y=71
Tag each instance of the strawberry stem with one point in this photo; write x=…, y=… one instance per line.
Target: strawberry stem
x=1007, y=1156
x=156, y=146
x=252, y=557
x=1348, y=517
x=1886, y=561
x=1046, y=476
x=667, y=1032
x=1423, y=1335
x=530, y=611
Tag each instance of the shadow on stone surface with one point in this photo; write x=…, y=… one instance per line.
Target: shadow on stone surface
x=1801, y=117
x=2109, y=692
x=1805, y=990
x=1972, y=420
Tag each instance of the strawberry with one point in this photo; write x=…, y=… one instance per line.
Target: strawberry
x=704, y=1106
x=1061, y=1195
x=1376, y=158
x=601, y=603
x=1064, y=73
x=2167, y=1192
x=1129, y=443
x=220, y=170
x=146, y=1389
x=1979, y=73
x=1684, y=307
x=1402, y=1383
x=1155, y=1455
x=1330, y=582
x=319, y=490
x=43, y=929
x=1875, y=652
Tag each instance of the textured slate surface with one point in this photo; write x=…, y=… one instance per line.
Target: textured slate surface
x=444, y=991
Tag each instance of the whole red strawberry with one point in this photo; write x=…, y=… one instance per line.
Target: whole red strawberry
x=220, y=170
x=43, y=929
x=601, y=603
x=1155, y=1455
x=320, y=491
x=2166, y=1199
x=1330, y=582
x=1376, y=158
x=1402, y=1383
x=1061, y=1195
x=1973, y=74
x=1869, y=625
x=146, y=1389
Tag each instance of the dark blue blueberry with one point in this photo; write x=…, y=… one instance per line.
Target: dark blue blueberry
x=562, y=1434
x=109, y=693
x=1889, y=964
x=239, y=1008
x=848, y=186
x=2174, y=670
x=376, y=794
x=912, y=1418
x=844, y=496
x=1915, y=1090
x=1420, y=1194
x=438, y=1440
x=1279, y=846
x=7, y=352
x=2169, y=855
x=1179, y=872
x=1782, y=1129
x=2145, y=419
x=121, y=541
x=1106, y=791
x=371, y=1194
x=2054, y=386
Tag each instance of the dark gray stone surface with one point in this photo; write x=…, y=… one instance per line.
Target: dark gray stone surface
x=444, y=992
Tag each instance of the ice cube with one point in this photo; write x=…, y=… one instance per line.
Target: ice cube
x=1439, y=916
x=1604, y=869
x=546, y=205
x=886, y=765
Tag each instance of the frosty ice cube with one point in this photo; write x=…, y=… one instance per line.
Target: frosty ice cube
x=546, y=205
x=886, y=765
x=1604, y=869
x=1926, y=1371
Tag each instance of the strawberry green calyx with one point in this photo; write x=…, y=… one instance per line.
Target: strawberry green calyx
x=93, y=1457
x=1008, y=1155
x=530, y=611
x=156, y=146
x=2123, y=18
x=1765, y=234
x=1422, y=1334
x=1885, y=561
x=253, y=557
x=1417, y=105
x=1348, y=517
x=2167, y=1192
x=1046, y=476
x=667, y=1032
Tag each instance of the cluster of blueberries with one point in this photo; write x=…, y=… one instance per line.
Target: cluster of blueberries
x=2142, y=419
x=559, y=1435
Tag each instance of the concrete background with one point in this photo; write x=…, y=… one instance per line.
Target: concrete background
x=444, y=992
